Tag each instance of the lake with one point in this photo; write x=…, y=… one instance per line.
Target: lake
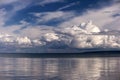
x=93, y=68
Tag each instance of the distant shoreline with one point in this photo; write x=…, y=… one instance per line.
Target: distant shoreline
x=91, y=54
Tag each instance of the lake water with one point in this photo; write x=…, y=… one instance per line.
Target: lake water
x=107, y=68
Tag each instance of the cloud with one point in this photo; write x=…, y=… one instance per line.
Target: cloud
x=116, y=1
x=49, y=16
x=114, y=25
x=116, y=15
x=19, y=5
x=99, y=17
x=4, y=2
x=44, y=2
x=2, y=16
x=46, y=37
x=15, y=5
x=69, y=5
x=64, y=34
x=6, y=14
x=11, y=29
x=36, y=31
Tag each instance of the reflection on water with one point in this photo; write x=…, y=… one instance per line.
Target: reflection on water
x=60, y=68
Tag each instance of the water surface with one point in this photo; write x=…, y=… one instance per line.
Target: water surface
x=106, y=68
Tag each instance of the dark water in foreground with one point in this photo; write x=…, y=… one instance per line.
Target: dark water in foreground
x=101, y=68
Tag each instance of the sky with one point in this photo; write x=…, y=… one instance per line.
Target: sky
x=18, y=15
x=33, y=18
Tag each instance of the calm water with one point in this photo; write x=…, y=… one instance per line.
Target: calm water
x=60, y=68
